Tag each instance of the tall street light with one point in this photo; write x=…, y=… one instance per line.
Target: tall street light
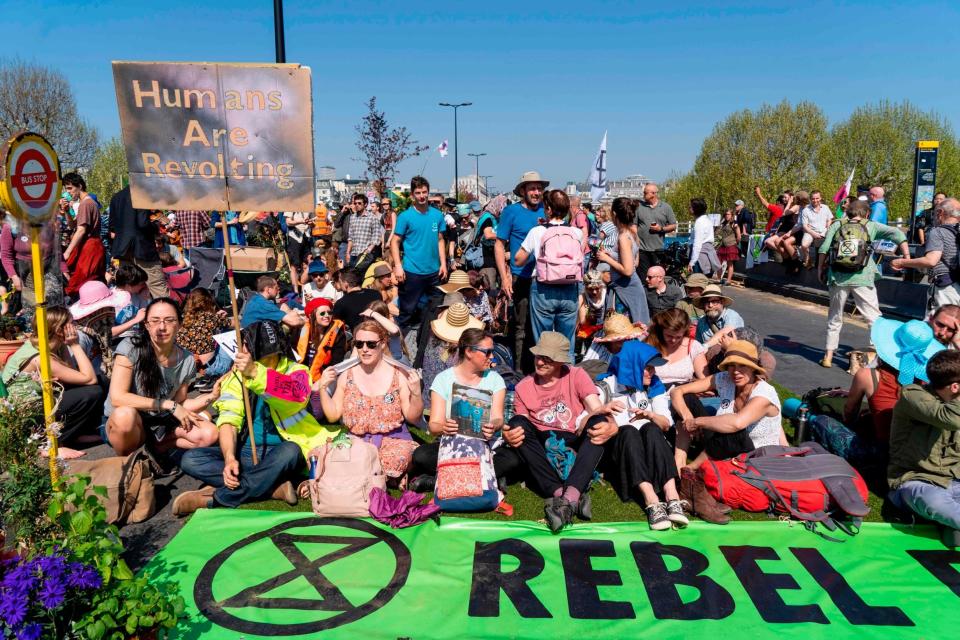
x=477, y=157
x=486, y=184
x=456, y=167
x=278, y=41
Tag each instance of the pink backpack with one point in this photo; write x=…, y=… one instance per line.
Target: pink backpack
x=560, y=260
x=348, y=469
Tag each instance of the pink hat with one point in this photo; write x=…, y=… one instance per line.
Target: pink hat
x=95, y=295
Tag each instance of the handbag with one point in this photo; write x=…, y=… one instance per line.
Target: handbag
x=129, y=481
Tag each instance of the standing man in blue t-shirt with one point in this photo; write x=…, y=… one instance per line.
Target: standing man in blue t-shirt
x=419, y=231
x=878, y=207
x=515, y=223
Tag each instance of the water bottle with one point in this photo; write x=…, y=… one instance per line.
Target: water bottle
x=801, y=424
x=313, y=467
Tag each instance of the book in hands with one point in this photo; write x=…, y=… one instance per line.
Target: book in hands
x=471, y=409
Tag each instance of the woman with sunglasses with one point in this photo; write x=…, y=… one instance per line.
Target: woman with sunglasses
x=323, y=340
x=148, y=390
x=375, y=399
x=473, y=369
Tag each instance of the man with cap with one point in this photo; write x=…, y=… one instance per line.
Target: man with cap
x=283, y=428
x=516, y=221
x=718, y=318
x=693, y=289
x=419, y=232
x=661, y=295
x=317, y=280
x=655, y=219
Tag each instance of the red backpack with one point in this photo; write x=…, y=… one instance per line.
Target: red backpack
x=805, y=482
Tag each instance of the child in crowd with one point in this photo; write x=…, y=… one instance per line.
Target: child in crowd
x=133, y=280
x=477, y=298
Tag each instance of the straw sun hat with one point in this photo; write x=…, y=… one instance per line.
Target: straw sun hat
x=617, y=328
x=742, y=352
x=457, y=281
x=712, y=291
x=453, y=322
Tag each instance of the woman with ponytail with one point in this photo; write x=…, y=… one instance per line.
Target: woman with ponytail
x=148, y=401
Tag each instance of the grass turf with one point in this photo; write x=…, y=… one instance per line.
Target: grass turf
x=607, y=506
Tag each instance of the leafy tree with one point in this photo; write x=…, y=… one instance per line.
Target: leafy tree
x=108, y=170
x=383, y=148
x=878, y=142
x=39, y=99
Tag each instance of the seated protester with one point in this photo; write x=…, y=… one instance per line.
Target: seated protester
x=318, y=282
x=684, y=357
x=717, y=316
x=355, y=299
x=262, y=306
x=477, y=299
x=380, y=313
x=924, y=468
x=201, y=321
x=591, y=309
x=640, y=459
x=375, y=399
x=180, y=280
x=440, y=352
x=370, y=276
x=945, y=322
x=323, y=340
x=81, y=402
x=130, y=279
x=617, y=329
x=283, y=431
x=164, y=246
x=148, y=401
x=749, y=413
x=715, y=354
x=558, y=409
x=661, y=294
x=384, y=283
x=473, y=369
x=903, y=349
x=95, y=313
x=693, y=288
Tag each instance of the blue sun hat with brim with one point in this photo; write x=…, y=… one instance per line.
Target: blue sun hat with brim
x=905, y=346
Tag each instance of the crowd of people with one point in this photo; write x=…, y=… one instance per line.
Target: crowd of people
x=599, y=357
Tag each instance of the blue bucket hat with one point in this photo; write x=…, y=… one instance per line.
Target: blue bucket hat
x=316, y=267
x=905, y=346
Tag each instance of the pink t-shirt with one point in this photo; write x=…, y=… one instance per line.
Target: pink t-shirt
x=558, y=407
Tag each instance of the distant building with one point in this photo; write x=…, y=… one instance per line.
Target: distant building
x=629, y=187
x=326, y=173
x=469, y=184
x=571, y=189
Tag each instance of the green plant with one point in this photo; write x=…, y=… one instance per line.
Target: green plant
x=25, y=479
x=125, y=605
x=10, y=328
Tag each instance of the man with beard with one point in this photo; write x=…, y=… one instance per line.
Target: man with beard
x=516, y=221
x=945, y=322
x=718, y=318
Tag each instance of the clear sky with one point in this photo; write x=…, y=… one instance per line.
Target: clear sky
x=546, y=78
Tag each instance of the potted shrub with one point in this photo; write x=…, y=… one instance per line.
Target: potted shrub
x=11, y=337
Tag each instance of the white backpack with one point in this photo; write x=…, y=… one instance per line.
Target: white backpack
x=560, y=260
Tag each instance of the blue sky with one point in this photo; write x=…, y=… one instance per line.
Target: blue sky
x=546, y=79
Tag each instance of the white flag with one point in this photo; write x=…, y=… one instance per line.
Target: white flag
x=598, y=176
x=443, y=149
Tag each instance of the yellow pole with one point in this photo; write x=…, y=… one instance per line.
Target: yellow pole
x=44, y=347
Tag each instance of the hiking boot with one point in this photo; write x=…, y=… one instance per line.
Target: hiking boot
x=585, y=507
x=675, y=513
x=423, y=484
x=657, y=517
x=285, y=492
x=950, y=537
x=701, y=502
x=189, y=501
x=558, y=512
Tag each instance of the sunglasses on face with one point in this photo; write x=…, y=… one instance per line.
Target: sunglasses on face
x=324, y=314
x=487, y=352
x=367, y=344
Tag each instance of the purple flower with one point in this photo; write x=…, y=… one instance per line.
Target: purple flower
x=13, y=608
x=52, y=593
x=30, y=632
x=83, y=576
x=51, y=566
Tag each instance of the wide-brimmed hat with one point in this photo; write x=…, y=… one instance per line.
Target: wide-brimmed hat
x=453, y=322
x=382, y=270
x=457, y=281
x=95, y=295
x=617, y=328
x=697, y=280
x=905, y=346
x=712, y=291
x=451, y=299
x=530, y=176
x=553, y=345
x=742, y=352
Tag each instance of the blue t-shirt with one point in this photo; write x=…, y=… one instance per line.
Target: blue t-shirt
x=878, y=211
x=259, y=308
x=729, y=318
x=515, y=223
x=420, y=233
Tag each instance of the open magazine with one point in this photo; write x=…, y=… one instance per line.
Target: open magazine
x=471, y=409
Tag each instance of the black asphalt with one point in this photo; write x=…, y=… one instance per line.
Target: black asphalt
x=794, y=331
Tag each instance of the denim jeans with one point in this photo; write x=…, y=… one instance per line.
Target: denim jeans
x=277, y=463
x=220, y=363
x=553, y=307
x=930, y=501
x=411, y=290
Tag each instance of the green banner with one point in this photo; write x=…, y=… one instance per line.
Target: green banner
x=265, y=574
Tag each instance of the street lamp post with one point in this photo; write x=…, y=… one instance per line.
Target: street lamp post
x=456, y=166
x=486, y=184
x=281, y=47
x=477, y=157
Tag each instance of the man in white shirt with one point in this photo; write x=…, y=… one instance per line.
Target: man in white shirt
x=815, y=218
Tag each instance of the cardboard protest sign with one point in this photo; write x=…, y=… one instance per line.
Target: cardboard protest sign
x=217, y=137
